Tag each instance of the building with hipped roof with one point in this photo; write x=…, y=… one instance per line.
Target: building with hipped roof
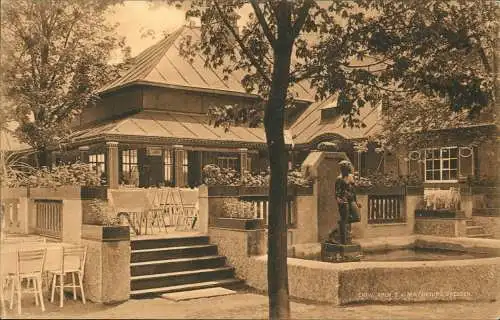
x=151, y=128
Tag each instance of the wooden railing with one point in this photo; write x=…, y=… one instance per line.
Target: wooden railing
x=261, y=209
x=386, y=209
x=49, y=218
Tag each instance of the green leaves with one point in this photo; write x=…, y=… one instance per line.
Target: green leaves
x=54, y=57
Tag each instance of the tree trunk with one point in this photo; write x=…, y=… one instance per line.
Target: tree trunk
x=277, y=271
x=42, y=157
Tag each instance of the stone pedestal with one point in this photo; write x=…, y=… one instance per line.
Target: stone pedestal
x=336, y=252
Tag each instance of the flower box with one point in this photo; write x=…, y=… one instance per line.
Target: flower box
x=105, y=233
x=58, y=193
x=381, y=190
x=415, y=190
x=254, y=190
x=239, y=223
x=439, y=213
x=223, y=191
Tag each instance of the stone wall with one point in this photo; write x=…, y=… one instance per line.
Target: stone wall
x=416, y=281
x=395, y=282
x=71, y=210
x=238, y=246
x=107, y=268
x=440, y=227
x=364, y=230
x=491, y=225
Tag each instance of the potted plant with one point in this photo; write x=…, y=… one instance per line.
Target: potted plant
x=99, y=223
x=239, y=215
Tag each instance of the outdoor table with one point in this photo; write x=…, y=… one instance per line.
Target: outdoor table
x=53, y=257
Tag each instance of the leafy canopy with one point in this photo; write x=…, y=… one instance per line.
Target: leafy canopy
x=54, y=56
x=362, y=51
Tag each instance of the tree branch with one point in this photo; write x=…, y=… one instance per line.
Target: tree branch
x=263, y=23
x=245, y=50
x=484, y=58
x=302, y=17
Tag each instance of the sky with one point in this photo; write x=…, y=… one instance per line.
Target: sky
x=136, y=17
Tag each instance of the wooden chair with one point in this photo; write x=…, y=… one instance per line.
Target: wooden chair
x=73, y=262
x=30, y=264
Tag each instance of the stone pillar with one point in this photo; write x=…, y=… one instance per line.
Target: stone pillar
x=112, y=164
x=179, y=155
x=203, y=209
x=84, y=154
x=243, y=161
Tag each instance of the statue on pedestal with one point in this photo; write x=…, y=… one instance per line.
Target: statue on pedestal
x=347, y=204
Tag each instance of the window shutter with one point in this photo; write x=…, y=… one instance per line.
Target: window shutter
x=415, y=167
x=466, y=162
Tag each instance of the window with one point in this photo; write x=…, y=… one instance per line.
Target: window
x=97, y=163
x=227, y=162
x=130, y=167
x=168, y=164
x=441, y=164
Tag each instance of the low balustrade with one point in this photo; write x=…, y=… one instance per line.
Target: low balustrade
x=386, y=209
x=48, y=215
x=261, y=209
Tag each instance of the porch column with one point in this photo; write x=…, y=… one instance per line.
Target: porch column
x=179, y=158
x=243, y=161
x=84, y=154
x=112, y=164
x=53, y=159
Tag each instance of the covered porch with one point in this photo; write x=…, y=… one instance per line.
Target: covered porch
x=163, y=149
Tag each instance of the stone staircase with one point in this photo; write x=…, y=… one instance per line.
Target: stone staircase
x=177, y=264
x=475, y=230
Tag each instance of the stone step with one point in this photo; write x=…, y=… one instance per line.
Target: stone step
x=168, y=242
x=197, y=294
x=176, y=265
x=484, y=235
x=141, y=255
x=152, y=281
x=473, y=230
x=471, y=223
x=231, y=283
x=493, y=212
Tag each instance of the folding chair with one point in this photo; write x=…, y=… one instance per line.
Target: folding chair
x=73, y=262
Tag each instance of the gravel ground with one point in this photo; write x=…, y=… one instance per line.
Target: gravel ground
x=248, y=305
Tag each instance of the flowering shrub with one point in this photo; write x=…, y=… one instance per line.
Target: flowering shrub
x=98, y=213
x=215, y=176
x=385, y=181
x=297, y=178
x=255, y=180
x=233, y=208
x=442, y=199
x=75, y=174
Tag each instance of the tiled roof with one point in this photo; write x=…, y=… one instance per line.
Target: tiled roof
x=309, y=126
x=162, y=65
x=175, y=127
